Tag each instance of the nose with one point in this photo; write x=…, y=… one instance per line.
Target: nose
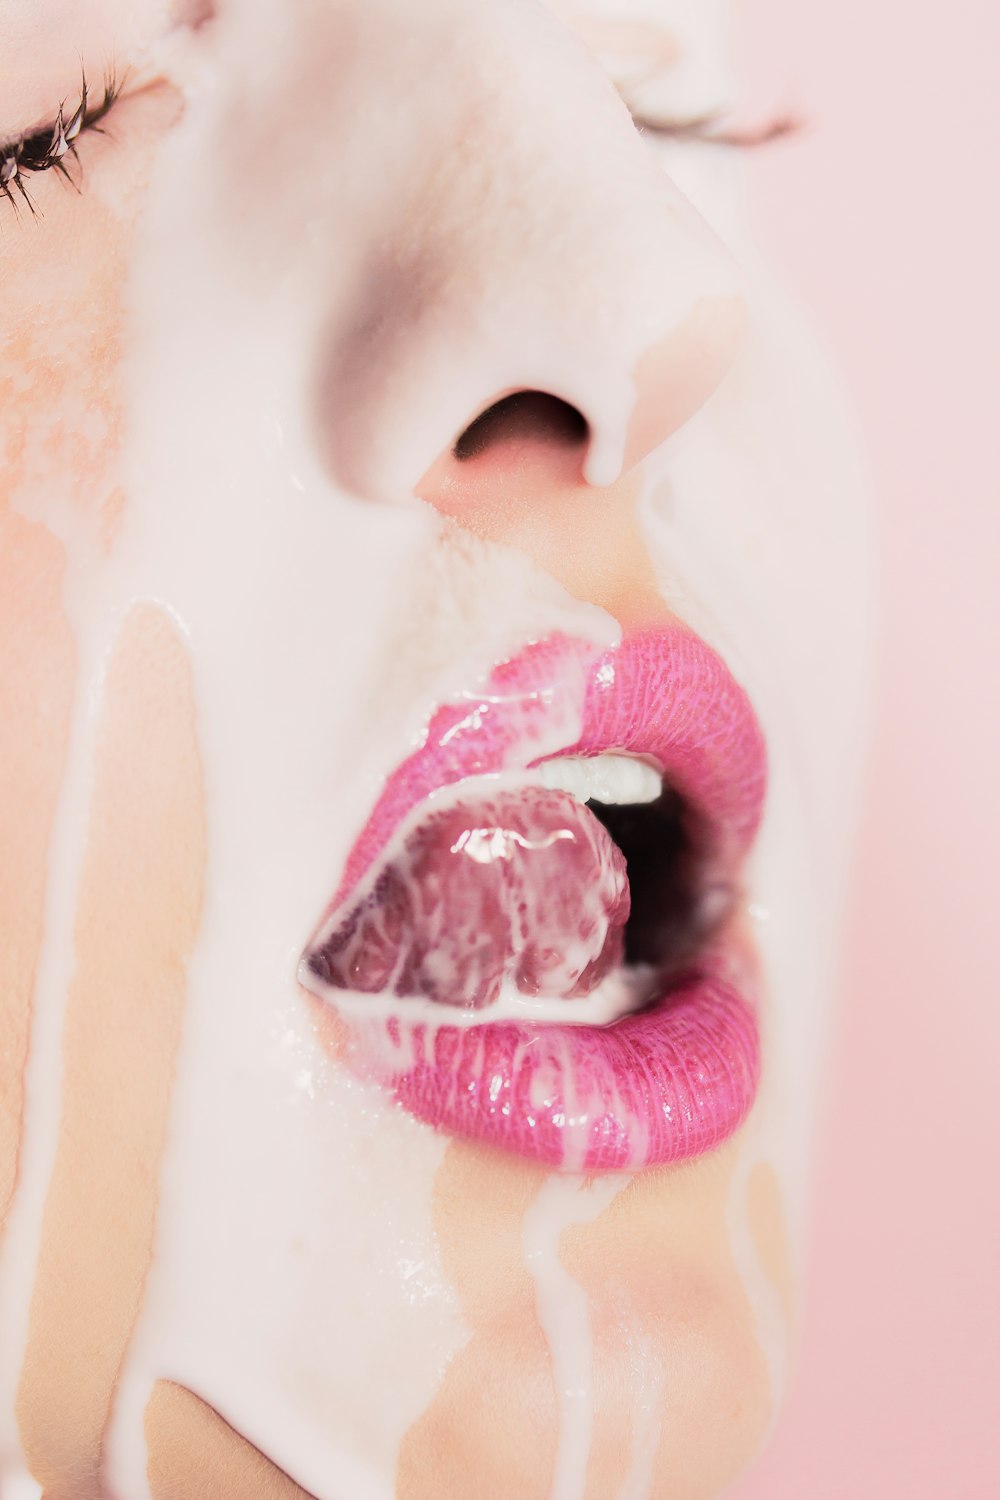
x=544, y=298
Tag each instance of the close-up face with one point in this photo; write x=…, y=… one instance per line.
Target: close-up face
x=432, y=632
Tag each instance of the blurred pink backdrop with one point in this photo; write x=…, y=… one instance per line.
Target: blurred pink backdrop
x=883, y=216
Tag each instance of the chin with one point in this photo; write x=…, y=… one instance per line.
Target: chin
x=682, y=1389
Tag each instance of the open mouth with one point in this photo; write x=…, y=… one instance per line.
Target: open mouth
x=538, y=943
x=587, y=881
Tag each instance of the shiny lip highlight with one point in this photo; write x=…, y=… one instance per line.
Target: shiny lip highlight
x=658, y=1085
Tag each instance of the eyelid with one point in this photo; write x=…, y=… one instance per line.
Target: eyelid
x=45, y=148
x=654, y=55
x=711, y=130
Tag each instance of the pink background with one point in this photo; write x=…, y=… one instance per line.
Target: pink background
x=884, y=216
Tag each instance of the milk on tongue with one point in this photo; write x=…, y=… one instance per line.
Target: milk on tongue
x=480, y=890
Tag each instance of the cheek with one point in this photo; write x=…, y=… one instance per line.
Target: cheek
x=64, y=275
x=57, y=378
x=136, y=915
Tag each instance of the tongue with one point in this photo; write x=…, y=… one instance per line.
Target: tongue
x=522, y=888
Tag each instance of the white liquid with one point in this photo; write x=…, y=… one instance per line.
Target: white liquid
x=17, y=1485
x=648, y=1382
x=296, y=1259
x=43, y=1102
x=564, y=1316
x=614, y=997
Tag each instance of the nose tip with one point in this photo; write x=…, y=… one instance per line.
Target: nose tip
x=538, y=251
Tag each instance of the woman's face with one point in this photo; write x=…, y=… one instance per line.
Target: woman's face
x=318, y=1171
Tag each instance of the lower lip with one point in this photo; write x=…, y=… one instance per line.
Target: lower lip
x=662, y=1085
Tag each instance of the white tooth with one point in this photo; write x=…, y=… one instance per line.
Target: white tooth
x=607, y=778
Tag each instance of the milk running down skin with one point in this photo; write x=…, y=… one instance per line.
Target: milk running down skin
x=267, y=518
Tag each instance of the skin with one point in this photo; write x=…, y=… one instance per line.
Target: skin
x=657, y=1266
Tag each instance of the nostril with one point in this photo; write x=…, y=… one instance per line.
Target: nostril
x=524, y=416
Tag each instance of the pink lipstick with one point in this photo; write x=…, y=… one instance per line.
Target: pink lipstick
x=526, y=964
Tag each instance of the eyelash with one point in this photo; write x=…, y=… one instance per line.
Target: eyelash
x=705, y=129
x=46, y=150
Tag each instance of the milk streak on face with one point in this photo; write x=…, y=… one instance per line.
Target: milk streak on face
x=323, y=238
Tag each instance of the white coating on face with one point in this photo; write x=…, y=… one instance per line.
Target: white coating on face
x=228, y=501
x=224, y=1315
x=239, y=493
x=564, y=1316
x=43, y=1103
x=19, y=1485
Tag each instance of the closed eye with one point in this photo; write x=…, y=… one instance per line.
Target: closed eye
x=711, y=129
x=53, y=147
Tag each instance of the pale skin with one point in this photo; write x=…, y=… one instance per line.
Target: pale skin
x=659, y=1257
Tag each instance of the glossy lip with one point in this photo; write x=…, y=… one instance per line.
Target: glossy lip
x=657, y=1086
